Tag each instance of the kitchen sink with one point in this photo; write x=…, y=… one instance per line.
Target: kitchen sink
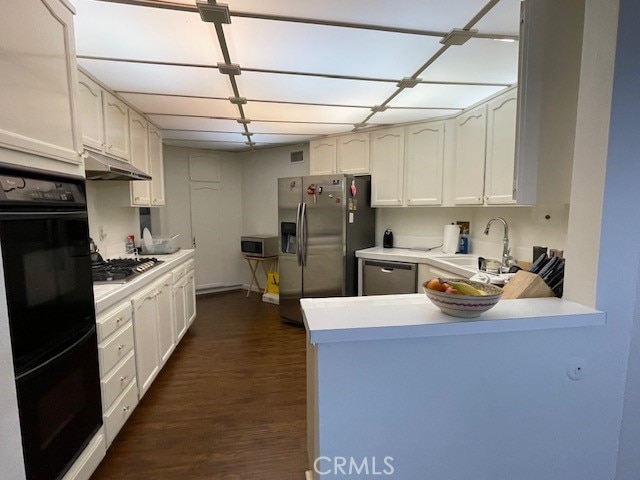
x=464, y=261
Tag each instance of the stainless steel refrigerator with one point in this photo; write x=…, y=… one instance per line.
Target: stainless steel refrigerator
x=322, y=221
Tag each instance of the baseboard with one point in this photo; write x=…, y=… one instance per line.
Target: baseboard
x=204, y=291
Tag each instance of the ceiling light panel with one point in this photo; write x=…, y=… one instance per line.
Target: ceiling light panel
x=442, y=96
x=221, y=146
x=504, y=19
x=296, y=88
x=479, y=60
x=136, y=77
x=301, y=113
x=124, y=31
x=181, y=105
x=280, y=139
x=202, y=136
x=196, y=123
x=411, y=115
x=298, y=47
x=441, y=15
x=299, y=128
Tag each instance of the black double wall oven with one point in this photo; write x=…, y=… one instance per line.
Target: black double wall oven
x=49, y=295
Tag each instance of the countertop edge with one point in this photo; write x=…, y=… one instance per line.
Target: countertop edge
x=127, y=289
x=567, y=315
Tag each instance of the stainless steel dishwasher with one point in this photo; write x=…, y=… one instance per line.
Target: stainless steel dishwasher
x=386, y=278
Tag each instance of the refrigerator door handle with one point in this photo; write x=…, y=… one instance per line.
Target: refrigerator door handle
x=303, y=224
x=298, y=236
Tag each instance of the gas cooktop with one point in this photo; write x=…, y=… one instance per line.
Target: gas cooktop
x=121, y=270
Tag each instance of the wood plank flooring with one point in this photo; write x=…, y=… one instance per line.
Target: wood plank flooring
x=228, y=405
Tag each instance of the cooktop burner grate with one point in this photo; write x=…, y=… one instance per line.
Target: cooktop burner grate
x=121, y=270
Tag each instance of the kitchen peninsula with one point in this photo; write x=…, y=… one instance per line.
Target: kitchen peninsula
x=515, y=393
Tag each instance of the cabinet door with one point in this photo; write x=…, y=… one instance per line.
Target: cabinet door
x=501, y=148
x=179, y=312
x=322, y=156
x=190, y=298
x=424, y=164
x=38, y=83
x=166, y=335
x=387, y=167
x=91, y=113
x=116, y=125
x=353, y=153
x=471, y=128
x=139, y=132
x=157, y=167
x=145, y=331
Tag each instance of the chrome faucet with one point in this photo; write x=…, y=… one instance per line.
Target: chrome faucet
x=506, y=257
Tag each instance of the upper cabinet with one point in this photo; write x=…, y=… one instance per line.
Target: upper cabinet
x=91, y=112
x=348, y=154
x=116, y=126
x=424, y=162
x=38, y=116
x=157, y=167
x=139, y=133
x=387, y=167
x=471, y=128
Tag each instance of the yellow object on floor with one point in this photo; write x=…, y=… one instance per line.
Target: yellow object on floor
x=273, y=282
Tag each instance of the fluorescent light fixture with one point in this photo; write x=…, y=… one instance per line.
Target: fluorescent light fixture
x=213, y=12
x=457, y=36
x=229, y=69
x=507, y=40
x=408, y=82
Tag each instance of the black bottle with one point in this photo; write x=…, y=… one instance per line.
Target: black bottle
x=387, y=240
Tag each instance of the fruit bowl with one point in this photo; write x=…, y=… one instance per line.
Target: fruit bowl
x=461, y=305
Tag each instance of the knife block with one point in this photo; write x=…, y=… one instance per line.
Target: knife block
x=526, y=285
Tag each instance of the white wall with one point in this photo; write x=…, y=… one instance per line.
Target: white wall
x=260, y=172
x=111, y=220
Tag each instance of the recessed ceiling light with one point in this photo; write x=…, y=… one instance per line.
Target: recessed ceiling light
x=213, y=12
x=229, y=69
x=457, y=36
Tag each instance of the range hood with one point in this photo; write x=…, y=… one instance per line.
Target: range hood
x=102, y=167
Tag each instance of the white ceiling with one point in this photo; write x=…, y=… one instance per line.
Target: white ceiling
x=308, y=68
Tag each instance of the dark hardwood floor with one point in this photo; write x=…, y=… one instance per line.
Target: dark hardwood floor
x=229, y=404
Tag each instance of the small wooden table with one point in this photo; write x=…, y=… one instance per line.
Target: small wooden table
x=253, y=265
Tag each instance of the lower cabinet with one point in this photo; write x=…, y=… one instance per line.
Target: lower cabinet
x=427, y=272
x=184, y=298
x=166, y=327
x=145, y=323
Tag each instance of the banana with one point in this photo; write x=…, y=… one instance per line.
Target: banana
x=464, y=289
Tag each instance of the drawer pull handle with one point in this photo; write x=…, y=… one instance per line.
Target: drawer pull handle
x=120, y=347
x=119, y=319
x=126, y=409
x=122, y=379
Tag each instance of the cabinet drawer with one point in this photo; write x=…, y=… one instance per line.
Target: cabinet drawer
x=178, y=274
x=119, y=412
x=115, y=349
x=117, y=380
x=112, y=320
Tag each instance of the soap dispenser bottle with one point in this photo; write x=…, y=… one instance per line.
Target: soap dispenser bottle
x=464, y=242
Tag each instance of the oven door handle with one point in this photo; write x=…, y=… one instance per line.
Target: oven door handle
x=92, y=330
x=41, y=214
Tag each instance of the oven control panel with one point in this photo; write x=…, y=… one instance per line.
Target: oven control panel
x=30, y=190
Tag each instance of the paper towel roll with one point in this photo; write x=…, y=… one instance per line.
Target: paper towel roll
x=451, y=238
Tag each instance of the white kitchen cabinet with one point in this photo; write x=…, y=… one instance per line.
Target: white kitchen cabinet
x=501, y=149
x=145, y=323
x=116, y=126
x=387, y=167
x=427, y=272
x=424, y=163
x=157, y=167
x=139, y=135
x=91, y=112
x=471, y=128
x=166, y=332
x=190, y=297
x=38, y=86
x=323, y=156
x=179, y=312
x=353, y=154
x=184, y=298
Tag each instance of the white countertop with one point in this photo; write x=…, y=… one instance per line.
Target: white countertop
x=106, y=295
x=347, y=319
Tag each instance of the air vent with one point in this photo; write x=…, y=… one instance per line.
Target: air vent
x=296, y=157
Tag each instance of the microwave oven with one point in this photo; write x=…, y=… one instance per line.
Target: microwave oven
x=259, y=245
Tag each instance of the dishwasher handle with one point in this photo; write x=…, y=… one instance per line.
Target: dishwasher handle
x=389, y=266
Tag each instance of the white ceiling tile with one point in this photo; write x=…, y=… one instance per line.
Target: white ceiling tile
x=280, y=139
x=202, y=136
x=300, y=113
x=224, y=146
x=441, y=15
x=478, y=61
x=136, y=77
x=443, y=96
x=504, y=18
x=410, y=115
x=295, y=88
x=297, y=47
x=298, y=128
x=134, y=32
x=195, y=123
x=181, y=105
